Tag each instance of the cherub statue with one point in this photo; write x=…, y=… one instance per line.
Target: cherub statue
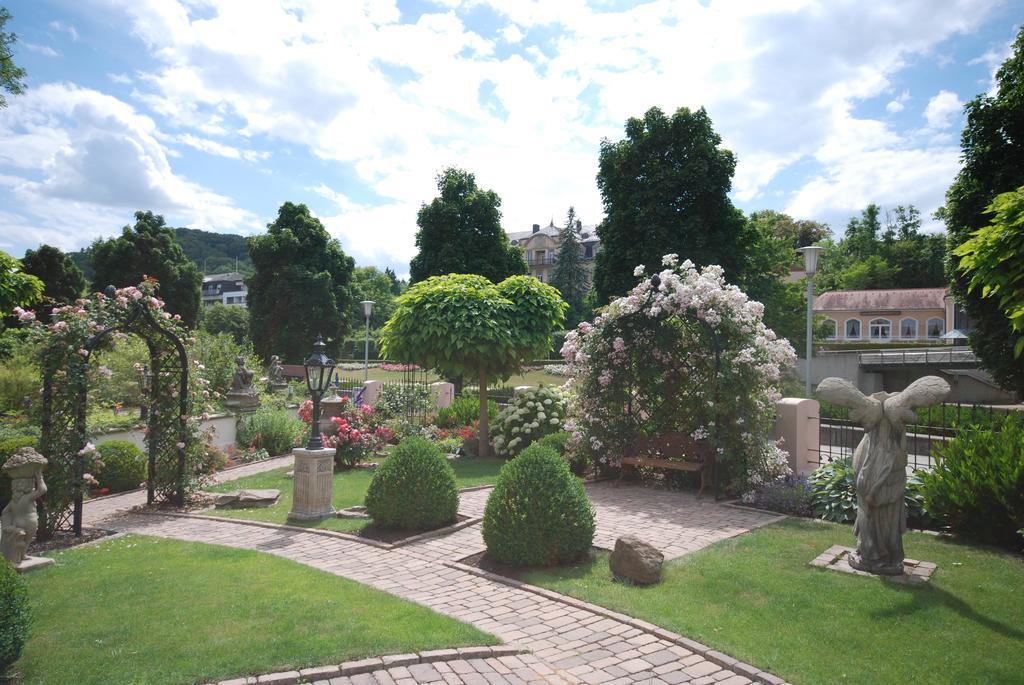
x=880, y=465
x=19, y=521
x=274, y=370
x=242, y=380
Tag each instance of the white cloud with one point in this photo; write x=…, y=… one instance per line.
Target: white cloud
x=220, y=149
x=122, y=79
x=44, y=50
x=898, y=103
x=66, y=28
x=512, y=34
x=943, y=109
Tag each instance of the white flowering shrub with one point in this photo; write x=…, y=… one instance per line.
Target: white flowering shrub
x=530, y=416
x=682, y=352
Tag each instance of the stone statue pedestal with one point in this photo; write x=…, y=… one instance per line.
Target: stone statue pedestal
x=313, y=486
x=33, y=563
x=241, y=400
x=277, y=387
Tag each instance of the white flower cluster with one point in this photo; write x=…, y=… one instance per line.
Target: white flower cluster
x=531, y=415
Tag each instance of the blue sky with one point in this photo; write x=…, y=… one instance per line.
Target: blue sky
x=214, y=112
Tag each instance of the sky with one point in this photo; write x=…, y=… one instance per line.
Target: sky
x=214, y=112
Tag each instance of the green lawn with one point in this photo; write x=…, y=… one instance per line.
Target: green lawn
x=145, y=610
x=755, y=598
x=349, y=490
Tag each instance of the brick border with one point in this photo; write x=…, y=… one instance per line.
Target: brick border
x=714, y=656
x=351, y=668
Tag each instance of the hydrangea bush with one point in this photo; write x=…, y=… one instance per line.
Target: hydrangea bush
x=683, y=351
x=531, y=415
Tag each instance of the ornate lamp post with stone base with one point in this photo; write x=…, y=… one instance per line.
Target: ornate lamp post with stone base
x=314, y=465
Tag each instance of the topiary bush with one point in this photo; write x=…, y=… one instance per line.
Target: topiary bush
x=124, y=465
x=538, y=513
x=560, y=443
x=414, y=488
x=977, y=485
x=530, y=416
x=14, y=615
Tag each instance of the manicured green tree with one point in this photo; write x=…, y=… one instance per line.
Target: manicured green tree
x=665, y=189
x=460, y=232
x=465, y=325
x=569, y=276
x=301, y=287
x=223, y=318
x=370, y=283
x=63, y=281
x=11, y=75
x=992, y=149
x=149, y=249
x=993, y=261
x=17, y=288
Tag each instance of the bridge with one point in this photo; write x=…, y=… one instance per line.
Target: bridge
x=934, y=357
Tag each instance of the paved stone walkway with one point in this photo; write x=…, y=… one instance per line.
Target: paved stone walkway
x=570, y=641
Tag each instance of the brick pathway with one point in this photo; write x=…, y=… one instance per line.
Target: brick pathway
x=570, y=641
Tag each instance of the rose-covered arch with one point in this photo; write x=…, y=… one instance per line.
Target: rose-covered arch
x=682, y=352
x=65, y=348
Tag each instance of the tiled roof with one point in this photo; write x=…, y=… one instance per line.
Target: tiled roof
x=229, y=276
x=875, y=300
x=552, y=231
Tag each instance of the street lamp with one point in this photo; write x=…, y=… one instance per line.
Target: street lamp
x=810, y=254
x=367, y=310
x=319, y=368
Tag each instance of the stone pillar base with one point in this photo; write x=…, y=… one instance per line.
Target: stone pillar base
x=32, y=563
x=313, y=486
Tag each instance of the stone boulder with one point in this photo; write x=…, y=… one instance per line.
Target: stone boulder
x=636, y=561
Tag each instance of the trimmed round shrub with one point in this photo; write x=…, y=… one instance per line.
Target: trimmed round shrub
x=124, y=465
x=529, y=417
x=14, y=615
x=414, y=488
x=538, y=513
x=559, y=442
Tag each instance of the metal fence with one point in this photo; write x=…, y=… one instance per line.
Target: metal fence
x=838, y=437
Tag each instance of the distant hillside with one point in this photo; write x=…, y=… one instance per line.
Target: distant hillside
x=212, y=252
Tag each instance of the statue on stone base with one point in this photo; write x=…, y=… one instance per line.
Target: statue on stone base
x=275, y=381
x=242, y=394
x=880, y=465
x=19, y=521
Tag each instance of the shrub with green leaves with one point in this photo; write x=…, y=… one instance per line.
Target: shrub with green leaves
x=275, y=430
x=124, y=465
x=560, y=443
x=531, y=415
x=463, y=411
x=413, y=488
x=14, y=615
x=834, y=491
x=538, y=513
x=977, y=485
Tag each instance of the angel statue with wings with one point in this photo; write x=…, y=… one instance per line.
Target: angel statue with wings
x=880, y=465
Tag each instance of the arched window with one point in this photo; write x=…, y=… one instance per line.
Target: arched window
x=908, y=329
x=853, y=329
x=829, y=327
x=880, y=329
x=936, y=327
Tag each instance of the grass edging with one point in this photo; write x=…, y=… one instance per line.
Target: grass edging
x=351, y=668
x=714, y=656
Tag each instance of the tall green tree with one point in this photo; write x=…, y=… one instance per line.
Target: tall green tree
x=992, y=150
x=301, y=287
x=768, y=263
x=11, y=75
x=460, y=232
x=230, y=319
x=465, y=325
x=149, y=249
x=17, y=288
x=63, y=281
x=798, y=232
x=665, y=190
x=370, y=283
x=397, y=286
x=570, y=276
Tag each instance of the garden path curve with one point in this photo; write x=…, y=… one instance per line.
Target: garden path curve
x=570, y=641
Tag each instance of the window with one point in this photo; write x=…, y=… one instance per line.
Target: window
x=588, y=251
x=908, y=329
x=936, y=327
x=880, y=329
x=853, y=329
x=829, y=326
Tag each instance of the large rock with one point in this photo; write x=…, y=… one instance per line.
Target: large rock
x=635, y=560
x=245, y=498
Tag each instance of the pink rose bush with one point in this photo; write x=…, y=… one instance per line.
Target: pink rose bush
x=357, y=433
x=683, y=351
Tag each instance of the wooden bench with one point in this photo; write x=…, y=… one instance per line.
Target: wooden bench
x=675, y=452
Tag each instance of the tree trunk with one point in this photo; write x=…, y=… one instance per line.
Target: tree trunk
x=484, y=435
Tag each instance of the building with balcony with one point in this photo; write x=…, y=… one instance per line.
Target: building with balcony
x=228, y=288
x=541, y=246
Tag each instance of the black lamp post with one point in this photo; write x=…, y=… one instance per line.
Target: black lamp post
x=319, y=368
